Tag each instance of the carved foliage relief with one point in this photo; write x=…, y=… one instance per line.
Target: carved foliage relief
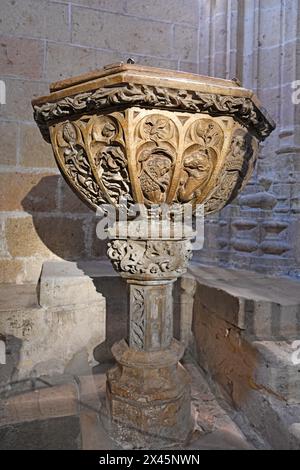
x=204, y=142
x=153, y=258
x=236, y=171
x=91, y=154
x=154, y=157
x=137, y=317
x=70, y=151
x=106, y=146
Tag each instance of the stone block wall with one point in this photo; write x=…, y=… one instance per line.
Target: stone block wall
x=258, y=42
x=44, y=41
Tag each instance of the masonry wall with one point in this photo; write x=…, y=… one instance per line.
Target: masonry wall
x=258, y=42
x=42, y=41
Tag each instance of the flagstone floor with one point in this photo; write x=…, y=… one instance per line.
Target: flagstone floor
x=58, y=415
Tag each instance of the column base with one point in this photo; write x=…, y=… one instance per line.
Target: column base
x=148, y=398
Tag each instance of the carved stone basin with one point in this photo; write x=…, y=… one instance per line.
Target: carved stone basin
x=128, y=134
x=153, y=135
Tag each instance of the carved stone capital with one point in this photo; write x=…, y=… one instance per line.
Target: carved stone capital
x=150, y=259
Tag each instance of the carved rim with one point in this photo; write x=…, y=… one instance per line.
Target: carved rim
x=240, y=108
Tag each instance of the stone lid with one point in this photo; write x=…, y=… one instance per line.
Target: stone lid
x=134, y=85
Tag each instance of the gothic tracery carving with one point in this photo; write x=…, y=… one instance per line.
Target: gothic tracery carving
x=174, y=160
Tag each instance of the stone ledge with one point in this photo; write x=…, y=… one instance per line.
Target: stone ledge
x=65, y=283
x=276, y=373
x=58, y=337
x=247, y=352
x=263, y=307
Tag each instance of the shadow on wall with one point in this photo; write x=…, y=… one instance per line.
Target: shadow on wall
x=114, y=290
x=66, y=227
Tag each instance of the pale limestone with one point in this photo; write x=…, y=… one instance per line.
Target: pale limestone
x=22, y=57
x=93, y=28
x=34, y=152
x=185, y=43
x=8, y=143
x=177, y=11
x=49, y=340
x=63, y=283
x=42, y=19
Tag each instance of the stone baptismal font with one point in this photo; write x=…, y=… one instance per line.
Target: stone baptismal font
x=128, y=135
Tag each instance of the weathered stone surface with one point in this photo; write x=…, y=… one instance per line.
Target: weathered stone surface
x=40, y=404
x=53, y=434
x=19, y=92
x=244, y=327
x=48, y=340
x=151, y=316
x=177, y=11
x=185, y=42
x=214, y=428
x=34, y=192
x=92, y=28
x=21, y=57
x=11, y=270
x=38, y=235
x=187, y=291
x=65, y=60
x=41, y=19
x=278, y=372
x=63, y=283
x=8, y=143
x=34, y=152
x=148, y=398
x=110, y=5
x=70, y=203
x=264, y=308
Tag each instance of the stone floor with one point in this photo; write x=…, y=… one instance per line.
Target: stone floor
x=64, y=414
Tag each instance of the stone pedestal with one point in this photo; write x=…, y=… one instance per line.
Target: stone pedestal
x=148, y=397
x=148, y=391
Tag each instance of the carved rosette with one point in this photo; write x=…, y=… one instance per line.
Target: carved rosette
x=151, y=259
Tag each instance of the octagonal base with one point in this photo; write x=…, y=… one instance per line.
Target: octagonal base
x=148, y=398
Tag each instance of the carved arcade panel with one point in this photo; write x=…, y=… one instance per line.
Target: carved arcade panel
x=236, y=171
x=154, y=157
